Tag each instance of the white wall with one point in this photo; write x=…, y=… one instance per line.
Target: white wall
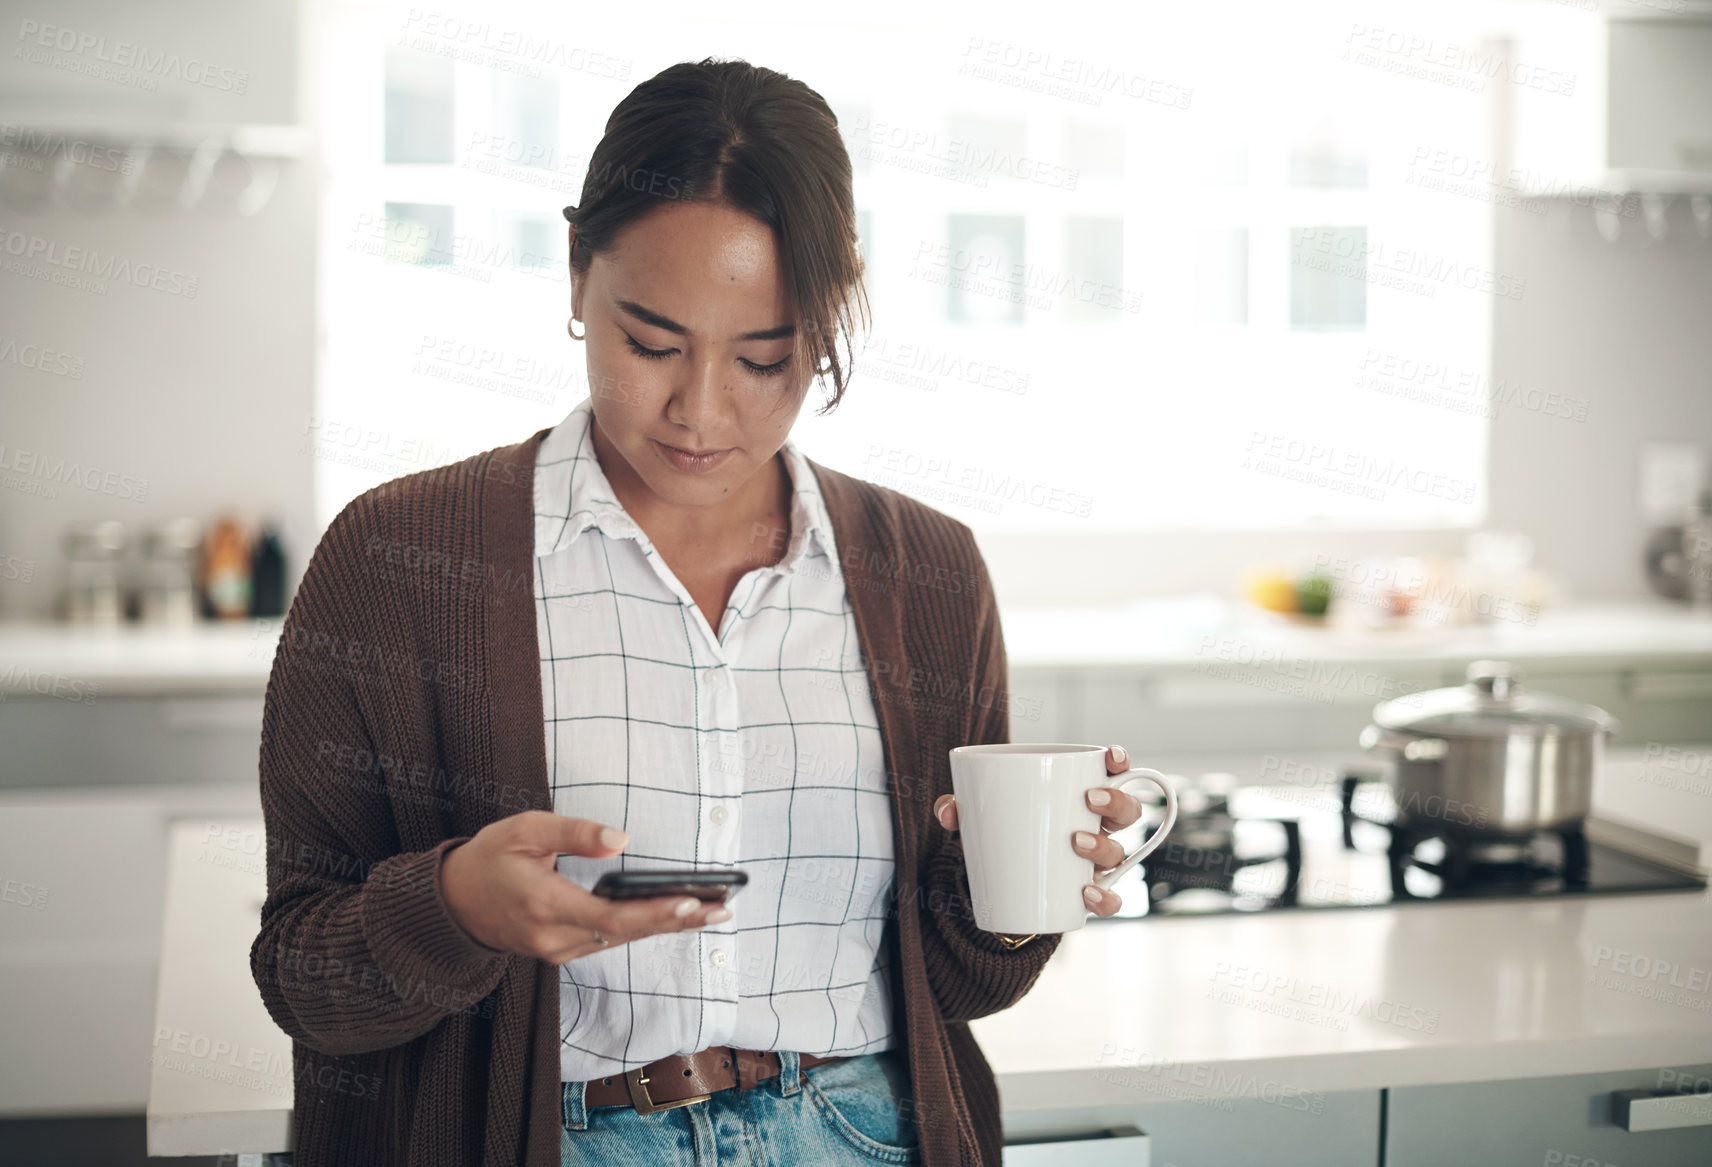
x=208, y=398
x=204, y=397
x=1625, y=329
x=1630, y=330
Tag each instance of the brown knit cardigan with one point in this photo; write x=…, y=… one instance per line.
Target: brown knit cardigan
x=404, y=713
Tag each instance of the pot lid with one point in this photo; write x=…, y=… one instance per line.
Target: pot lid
x=1491, y=704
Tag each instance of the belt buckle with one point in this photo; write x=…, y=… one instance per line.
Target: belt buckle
x=638, y=1087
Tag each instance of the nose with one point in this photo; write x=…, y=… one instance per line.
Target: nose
x=700, y=401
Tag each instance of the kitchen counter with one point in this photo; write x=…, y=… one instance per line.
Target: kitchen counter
x=220, y=1073
x=1315, y=1001
x=1162, y=634
x=1126, y=1012
x=1195, y=630
x=58, y=660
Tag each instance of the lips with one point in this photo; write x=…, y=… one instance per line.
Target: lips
x=691, y=461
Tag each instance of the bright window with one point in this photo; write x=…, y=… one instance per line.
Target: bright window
x=1180, y=270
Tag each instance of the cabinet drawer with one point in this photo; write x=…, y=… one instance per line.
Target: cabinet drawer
x=1569, y=1121
x=80, y=931
x=121, y=741
x=1117, y=1147
x=1300, y=1130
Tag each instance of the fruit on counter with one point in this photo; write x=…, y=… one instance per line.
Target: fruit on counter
x=1314, y=595
x=1278, y=589
x=1270, y=588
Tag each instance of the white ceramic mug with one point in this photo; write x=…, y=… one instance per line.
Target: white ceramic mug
x=1017, y=805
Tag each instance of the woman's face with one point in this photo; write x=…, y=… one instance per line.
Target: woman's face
x=690, y=336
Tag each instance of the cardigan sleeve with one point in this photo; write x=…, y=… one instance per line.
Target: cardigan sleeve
x=972, y=972
x=357, y=950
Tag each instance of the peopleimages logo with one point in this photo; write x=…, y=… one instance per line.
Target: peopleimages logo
x=1467, y=67
x=1320, y=246
x=124, y=54
x=86, y=268
x=29, y=465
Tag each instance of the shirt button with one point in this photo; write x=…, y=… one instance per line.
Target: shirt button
x=717, y=956
x=715, y=677
x=718, y=814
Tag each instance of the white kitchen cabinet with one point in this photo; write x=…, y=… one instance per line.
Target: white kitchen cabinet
x=79, y=951
x=1659, y=96
x=1567, y=1121
x=1297, y=1130
x=1171, y=714
x=1610, y=106
x=1118, y=1147
x=88, y=791
x=168, y=739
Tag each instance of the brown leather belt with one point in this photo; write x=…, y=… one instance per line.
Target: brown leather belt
x=685, y=1078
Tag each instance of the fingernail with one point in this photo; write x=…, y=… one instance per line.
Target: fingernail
x=613, y=837
x=719, y=915
x=1091, y=895
x=1121, y=754
x=1083, y=840
x=685, y=906
x=1099, y=796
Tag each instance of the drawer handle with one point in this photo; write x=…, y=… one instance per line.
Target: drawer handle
x=1648, y=1110
x=1669, y=686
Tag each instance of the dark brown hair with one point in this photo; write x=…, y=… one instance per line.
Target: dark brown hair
x=761, y=142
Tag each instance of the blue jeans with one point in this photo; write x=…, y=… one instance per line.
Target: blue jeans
x=848, y=1111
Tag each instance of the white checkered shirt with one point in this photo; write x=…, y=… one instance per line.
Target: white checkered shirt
x=757, y=748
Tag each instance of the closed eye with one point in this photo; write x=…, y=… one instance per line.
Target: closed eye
x=775, y=369
x=772, y=370
x=652, y=354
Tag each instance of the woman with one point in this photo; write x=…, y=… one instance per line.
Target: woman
x=726, y=656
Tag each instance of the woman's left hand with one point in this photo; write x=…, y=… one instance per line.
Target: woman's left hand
x=1117, y=810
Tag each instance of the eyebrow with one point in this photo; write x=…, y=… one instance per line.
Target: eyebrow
x=649, y=316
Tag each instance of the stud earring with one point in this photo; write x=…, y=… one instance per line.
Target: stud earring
x=570, y=328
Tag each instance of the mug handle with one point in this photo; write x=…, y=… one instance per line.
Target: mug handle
x=1159, y=832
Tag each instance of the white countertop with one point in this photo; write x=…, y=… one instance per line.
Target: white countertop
x=220, y=1072
x=1191, y=630
x=1157, y=634
x=1319, y=1000
x=206, y=657
x=1125, y=1013
x=1314, y=1001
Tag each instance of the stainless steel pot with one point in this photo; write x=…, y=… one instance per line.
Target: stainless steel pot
x=1488, y=757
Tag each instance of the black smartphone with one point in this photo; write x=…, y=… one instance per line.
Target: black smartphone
x=714, y=885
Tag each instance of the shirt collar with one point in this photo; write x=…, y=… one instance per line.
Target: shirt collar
x=572, y=494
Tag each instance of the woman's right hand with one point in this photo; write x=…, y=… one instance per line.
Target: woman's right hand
x=503, y=887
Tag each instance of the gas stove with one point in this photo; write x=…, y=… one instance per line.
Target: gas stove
x=1251, y=848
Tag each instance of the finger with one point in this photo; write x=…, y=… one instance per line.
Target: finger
x=583, y=947
x=945, y=810
x=1117, y=759
x=561, y=942
x=633, y=919
x=563, y=835
x=1102, y=849
x=1117, y=808
x=1100, y=901
x=553, y=902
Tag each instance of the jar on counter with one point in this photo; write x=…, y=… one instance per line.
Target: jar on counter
x=166, y=584
x=226, y=581
x=94, y=593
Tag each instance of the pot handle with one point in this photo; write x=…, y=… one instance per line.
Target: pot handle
x=1494, y=678
x=1411, y=749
